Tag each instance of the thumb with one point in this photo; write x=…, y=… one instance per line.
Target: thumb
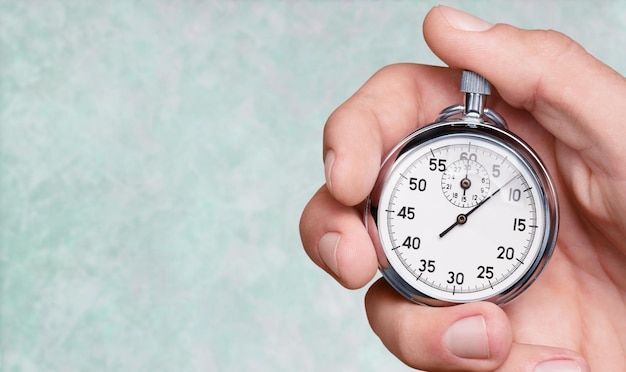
x=543, y=72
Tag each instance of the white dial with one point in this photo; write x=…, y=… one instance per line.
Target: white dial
x=463, y=210
x=463, y=217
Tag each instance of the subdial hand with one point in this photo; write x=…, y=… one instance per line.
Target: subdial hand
x=465, y=182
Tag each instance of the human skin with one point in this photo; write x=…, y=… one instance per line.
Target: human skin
x=567, y=105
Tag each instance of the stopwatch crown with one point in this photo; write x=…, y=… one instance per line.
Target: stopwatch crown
x=471, y=82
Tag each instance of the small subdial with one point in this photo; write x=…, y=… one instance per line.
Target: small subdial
x=465, y=183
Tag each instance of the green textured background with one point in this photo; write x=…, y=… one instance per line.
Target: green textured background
x=156, y=156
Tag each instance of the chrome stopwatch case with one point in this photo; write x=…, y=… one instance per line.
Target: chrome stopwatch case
x=463, y=210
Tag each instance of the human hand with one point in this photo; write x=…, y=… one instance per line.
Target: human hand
x=566, y=105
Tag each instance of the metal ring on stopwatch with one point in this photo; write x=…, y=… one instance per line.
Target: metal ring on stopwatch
x=500, y=136
x=471, y=121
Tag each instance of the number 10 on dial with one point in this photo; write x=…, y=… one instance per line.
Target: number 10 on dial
x=462, y=211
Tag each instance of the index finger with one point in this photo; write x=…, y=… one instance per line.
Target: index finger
x=395, y=101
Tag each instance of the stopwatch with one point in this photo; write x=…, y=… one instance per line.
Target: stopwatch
x=463, y=210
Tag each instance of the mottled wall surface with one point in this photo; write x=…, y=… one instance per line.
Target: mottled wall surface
x=154, y=160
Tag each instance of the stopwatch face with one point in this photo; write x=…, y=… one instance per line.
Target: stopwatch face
x=462, y=213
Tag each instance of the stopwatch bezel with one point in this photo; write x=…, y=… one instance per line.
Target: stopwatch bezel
x=499, y=136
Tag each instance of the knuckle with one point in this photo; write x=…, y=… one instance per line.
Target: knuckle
x=410, y=347
x=551, y=44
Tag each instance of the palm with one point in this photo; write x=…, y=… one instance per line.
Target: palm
x=580, y=298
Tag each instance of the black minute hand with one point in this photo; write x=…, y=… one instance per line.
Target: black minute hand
x=462, y=218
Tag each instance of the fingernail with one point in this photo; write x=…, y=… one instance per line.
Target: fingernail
x=467, y=338
x=558, y=366
x=328, y=167
x=463, y=21
x=328, y=250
